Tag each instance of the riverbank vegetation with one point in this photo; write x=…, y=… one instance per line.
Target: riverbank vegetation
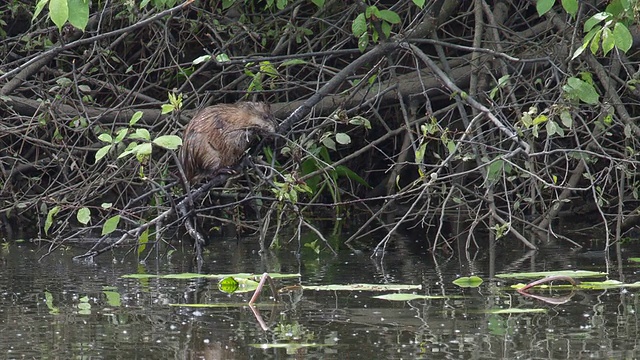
x=498, y=117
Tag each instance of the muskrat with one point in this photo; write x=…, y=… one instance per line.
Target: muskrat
x=218, y=135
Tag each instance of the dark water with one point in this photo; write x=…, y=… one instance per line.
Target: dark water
x=58, y=308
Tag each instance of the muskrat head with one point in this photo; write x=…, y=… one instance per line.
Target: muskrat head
x=261, y=120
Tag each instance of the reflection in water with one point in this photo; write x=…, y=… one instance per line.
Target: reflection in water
x=57, y=308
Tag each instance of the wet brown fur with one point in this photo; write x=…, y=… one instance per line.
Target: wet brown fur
x=218, y=136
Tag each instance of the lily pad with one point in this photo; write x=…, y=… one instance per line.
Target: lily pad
x=516, y=311
x=408, y=297
x=541, y=274
x=364, y=287
x=469, y=281
x=209, y=276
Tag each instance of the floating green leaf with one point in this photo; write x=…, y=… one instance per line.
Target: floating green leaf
x=408, y=297
x=364, y=287
x=515, y=311
x=228, y=285
x=189, y=276
x=48, y=298
x=471, y=281
x=541, y=274
x=113, y=298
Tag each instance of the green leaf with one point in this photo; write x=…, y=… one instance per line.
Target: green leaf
x=84, y=215
x=540, y=119
x=594, y=20
x=566, y=119
x=39, y=7
x=102, y=152
x=542, y=6
x=136, y=117
x=386, y=29
x=141, y=134
x=110, y=225
x=409, y=297
x=329, y=143
x=113, y=298
x=419, y=156
x=49, y=221
x=48, y=298
x=372, y=11
x=359, y=25
x=363, y=287
x=201, y=59
x=390, y=16
x=227, y=4
x=142, y=241
x=607, y=41
x=167, y=108
x=228, y=285
x=105, y=138
x=419, y=3
x=168, y=141
x=143, y=149
x=582, y=90
x=121, y=134
x=595, y=43
x=495, y=170
x=552, y=128
x=571, y=7
x=221, y=58
x=79, y=13
x=343, y=139
x=318, y=3
x=363, y=42
x=541, y=274
x=292, y=62
x=342, y=170
x=59, y=12
x=622, y=37
x=471, y=281
x=360, y=121
x=515, y=311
